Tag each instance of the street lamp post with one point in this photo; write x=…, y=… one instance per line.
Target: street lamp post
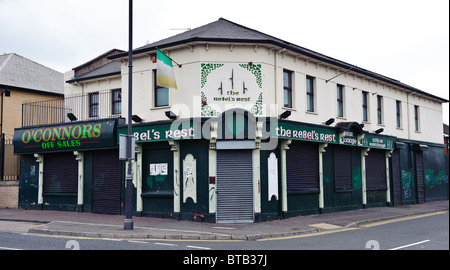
x=128, y=223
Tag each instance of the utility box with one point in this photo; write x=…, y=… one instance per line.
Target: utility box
x=123, y=155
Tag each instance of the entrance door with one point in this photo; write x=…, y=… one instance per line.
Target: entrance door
x=234, y=186
x=106, y=182
x=420, y=178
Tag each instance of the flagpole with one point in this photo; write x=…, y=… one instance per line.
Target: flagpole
x=128, y=223
x=180, y=66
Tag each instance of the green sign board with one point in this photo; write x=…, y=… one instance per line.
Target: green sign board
x=68, y=137
x=373, y=141
x=304, y=133
x=285, y=130
x=167, y=132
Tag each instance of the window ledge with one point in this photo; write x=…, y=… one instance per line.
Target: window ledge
x=160, y=108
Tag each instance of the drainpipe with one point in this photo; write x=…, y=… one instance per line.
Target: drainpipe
x=408, y=114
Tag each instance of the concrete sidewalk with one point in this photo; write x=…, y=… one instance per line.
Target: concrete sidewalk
x=110, y=226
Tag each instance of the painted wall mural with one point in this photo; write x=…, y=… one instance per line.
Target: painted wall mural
x=190, y=178
x=272, y=163
x=231, y=85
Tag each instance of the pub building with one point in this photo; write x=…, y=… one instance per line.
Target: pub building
x=259, y=129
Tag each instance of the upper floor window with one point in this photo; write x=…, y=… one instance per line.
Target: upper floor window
x=161, y=93
x=417, y=118
x=340, y=100
x=287, y=88
x=365, y=106
x=310, y=94
x=93, y=104
x=116, y=101
x=379, y=110
x=398, y=108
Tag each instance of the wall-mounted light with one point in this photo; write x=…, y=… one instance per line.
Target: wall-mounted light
x=72, y=117
x=378, y=131
x=136, y=119
x=329, y=121
x=285, y=115
x=171, y=115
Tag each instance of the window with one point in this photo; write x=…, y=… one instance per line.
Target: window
x=116, y=101
x=417, y=117
x=287, y=88
x=93, y=105
x=161, y=93
x=379, y=110
x=309, y=94
x=365, y=106
x=340, y=100
x=399, y=113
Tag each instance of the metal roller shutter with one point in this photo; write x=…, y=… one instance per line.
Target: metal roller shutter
x=106, y=182
x=396, y=178
x=60, y=173
x=302, y=168
x=342, y=167
x=234, y=186
x=376, y=169
x=420, y=178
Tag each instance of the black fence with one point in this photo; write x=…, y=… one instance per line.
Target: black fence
x=98, y=105
x=9, y=163
x=43, y=112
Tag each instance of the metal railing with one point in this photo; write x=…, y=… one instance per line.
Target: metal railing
x=9, y=163
x=55, y=111
x=43, y=112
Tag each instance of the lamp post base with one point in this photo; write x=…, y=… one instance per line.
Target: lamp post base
x=128, y=224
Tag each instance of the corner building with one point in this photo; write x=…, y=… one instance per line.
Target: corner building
x=262, y=129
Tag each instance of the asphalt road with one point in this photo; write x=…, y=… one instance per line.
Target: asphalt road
x=427, y=232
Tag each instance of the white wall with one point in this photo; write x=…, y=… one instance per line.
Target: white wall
x=185, y=101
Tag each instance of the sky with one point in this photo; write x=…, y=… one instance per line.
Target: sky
x=407, y=40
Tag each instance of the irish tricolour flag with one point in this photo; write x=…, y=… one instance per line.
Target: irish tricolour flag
x=164, y=74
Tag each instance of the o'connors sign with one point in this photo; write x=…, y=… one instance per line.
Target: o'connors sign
x=68, y=137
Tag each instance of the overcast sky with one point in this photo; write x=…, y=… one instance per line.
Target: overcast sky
x=407, y=40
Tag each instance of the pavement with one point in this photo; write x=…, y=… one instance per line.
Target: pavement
x=111, y=226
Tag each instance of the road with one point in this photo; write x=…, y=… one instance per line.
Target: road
x=426, y=232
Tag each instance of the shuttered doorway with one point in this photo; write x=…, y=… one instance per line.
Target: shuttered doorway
x=60, y=174
x=302, y=166
x=342, y=168
x=234, y=186
x=106, y=182
x=420, y=178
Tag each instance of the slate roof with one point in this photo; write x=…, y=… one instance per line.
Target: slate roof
x=19, y=72
x=110, y=69
x=226, y=31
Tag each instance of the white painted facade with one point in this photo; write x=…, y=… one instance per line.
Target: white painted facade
x=186, y=101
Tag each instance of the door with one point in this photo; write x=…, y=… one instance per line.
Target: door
x=420, y=178
x=60, y=174
x=234, y=186
x=106, y=182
